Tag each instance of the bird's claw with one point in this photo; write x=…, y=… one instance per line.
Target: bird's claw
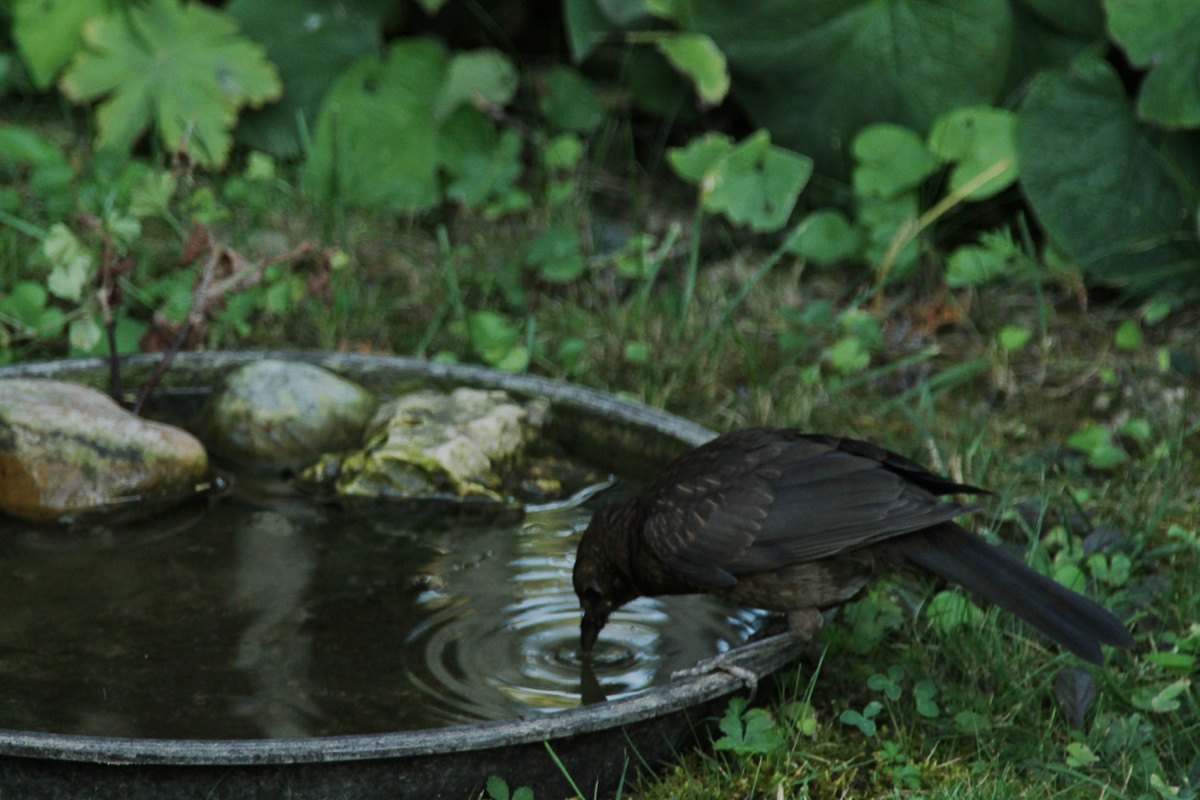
x=747, y=676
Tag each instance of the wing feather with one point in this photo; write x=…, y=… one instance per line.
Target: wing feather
x=762, y=499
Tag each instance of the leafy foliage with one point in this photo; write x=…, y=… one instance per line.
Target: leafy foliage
x=292, y=33
x=179, y=67
x=49, y=33
x=1122, y=205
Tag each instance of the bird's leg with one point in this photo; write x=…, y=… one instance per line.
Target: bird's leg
x=802, y=624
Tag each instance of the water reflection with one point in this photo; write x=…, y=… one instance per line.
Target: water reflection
x=270, y=616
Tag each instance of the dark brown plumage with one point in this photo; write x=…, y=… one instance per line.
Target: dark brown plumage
x=784, y=521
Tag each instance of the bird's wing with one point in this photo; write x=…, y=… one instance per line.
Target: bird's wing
x=785, y=500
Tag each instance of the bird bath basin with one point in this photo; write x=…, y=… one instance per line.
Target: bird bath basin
x=264, y=648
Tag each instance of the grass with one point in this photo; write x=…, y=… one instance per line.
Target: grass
x=729, y=334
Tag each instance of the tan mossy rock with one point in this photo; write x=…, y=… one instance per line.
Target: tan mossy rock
x=274, y=413
x=67, y=451
x=462, y=444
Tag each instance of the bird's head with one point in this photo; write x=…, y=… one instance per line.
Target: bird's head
x=601, y=582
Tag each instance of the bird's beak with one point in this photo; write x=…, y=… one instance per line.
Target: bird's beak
x=589, y=629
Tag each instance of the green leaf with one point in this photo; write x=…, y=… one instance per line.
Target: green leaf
x=84, y=334
x=1080, y=755
x=1162, y=36
x=1129, y=335
x=971, y=722
x=924, y=692
x=71, y=264
x=49, y=32
x=152, y=194
x=1070, y=576
x=1084, y=18
x=1156, y=312
x=1013, y=338
x=888, y=684
x=1090, y=438
x=883, y=219
x=637, y=352
x=698, y=57
x=556, y=255
x=484, y=78
x=949, y=611
x=1138, y=430
x=756, y=184
x=25, y=147
x=890, y=160
x=497, y=789
x=1161, y=700
x=977, y=141
x=1109, y=191
x=700, y=155
x=563, y=153
x=292, y=33
x=825, y=237
x=848, y=355
x=497, y=341
x=479, y=175
x=376, y=144
x=752, y=731
x=568, y=101
x=976, y=265
x=585, y=26
x=25, y=304
x=815, y=73
x=1097, y=442
x=182, y=68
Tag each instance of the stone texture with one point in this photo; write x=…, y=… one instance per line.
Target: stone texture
x=285, y=414
x=428, y=443
x=67, y=450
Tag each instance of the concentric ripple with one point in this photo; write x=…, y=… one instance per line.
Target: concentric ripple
x=502, y=635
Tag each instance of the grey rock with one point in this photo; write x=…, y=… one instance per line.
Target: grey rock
x=285, y=414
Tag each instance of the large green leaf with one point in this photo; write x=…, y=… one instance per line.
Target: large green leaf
x=292, y=32
x=817, y=71
x=1162, y=36
x=1052, y=39
x=1083, y=18
x=376, y=143
x=181, y=67
x=1109, y=190
x=48, y=33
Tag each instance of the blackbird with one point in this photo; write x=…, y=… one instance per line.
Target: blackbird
x=786, y=521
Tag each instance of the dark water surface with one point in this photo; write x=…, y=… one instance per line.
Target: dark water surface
x=263, y=614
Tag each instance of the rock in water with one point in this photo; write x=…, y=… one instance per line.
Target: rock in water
x=284, y=414
x=67, y=450
x=462, y=444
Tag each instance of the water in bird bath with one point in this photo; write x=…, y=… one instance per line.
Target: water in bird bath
x=265, y=614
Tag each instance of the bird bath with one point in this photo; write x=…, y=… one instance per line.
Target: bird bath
x=264, y=647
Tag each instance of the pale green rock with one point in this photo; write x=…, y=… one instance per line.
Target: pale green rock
x=428, y=443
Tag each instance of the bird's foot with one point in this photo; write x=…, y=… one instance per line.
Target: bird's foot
x=727, y=662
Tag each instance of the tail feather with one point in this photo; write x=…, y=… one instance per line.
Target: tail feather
x=1069, y=618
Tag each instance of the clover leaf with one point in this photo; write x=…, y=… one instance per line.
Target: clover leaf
x=180, y=67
